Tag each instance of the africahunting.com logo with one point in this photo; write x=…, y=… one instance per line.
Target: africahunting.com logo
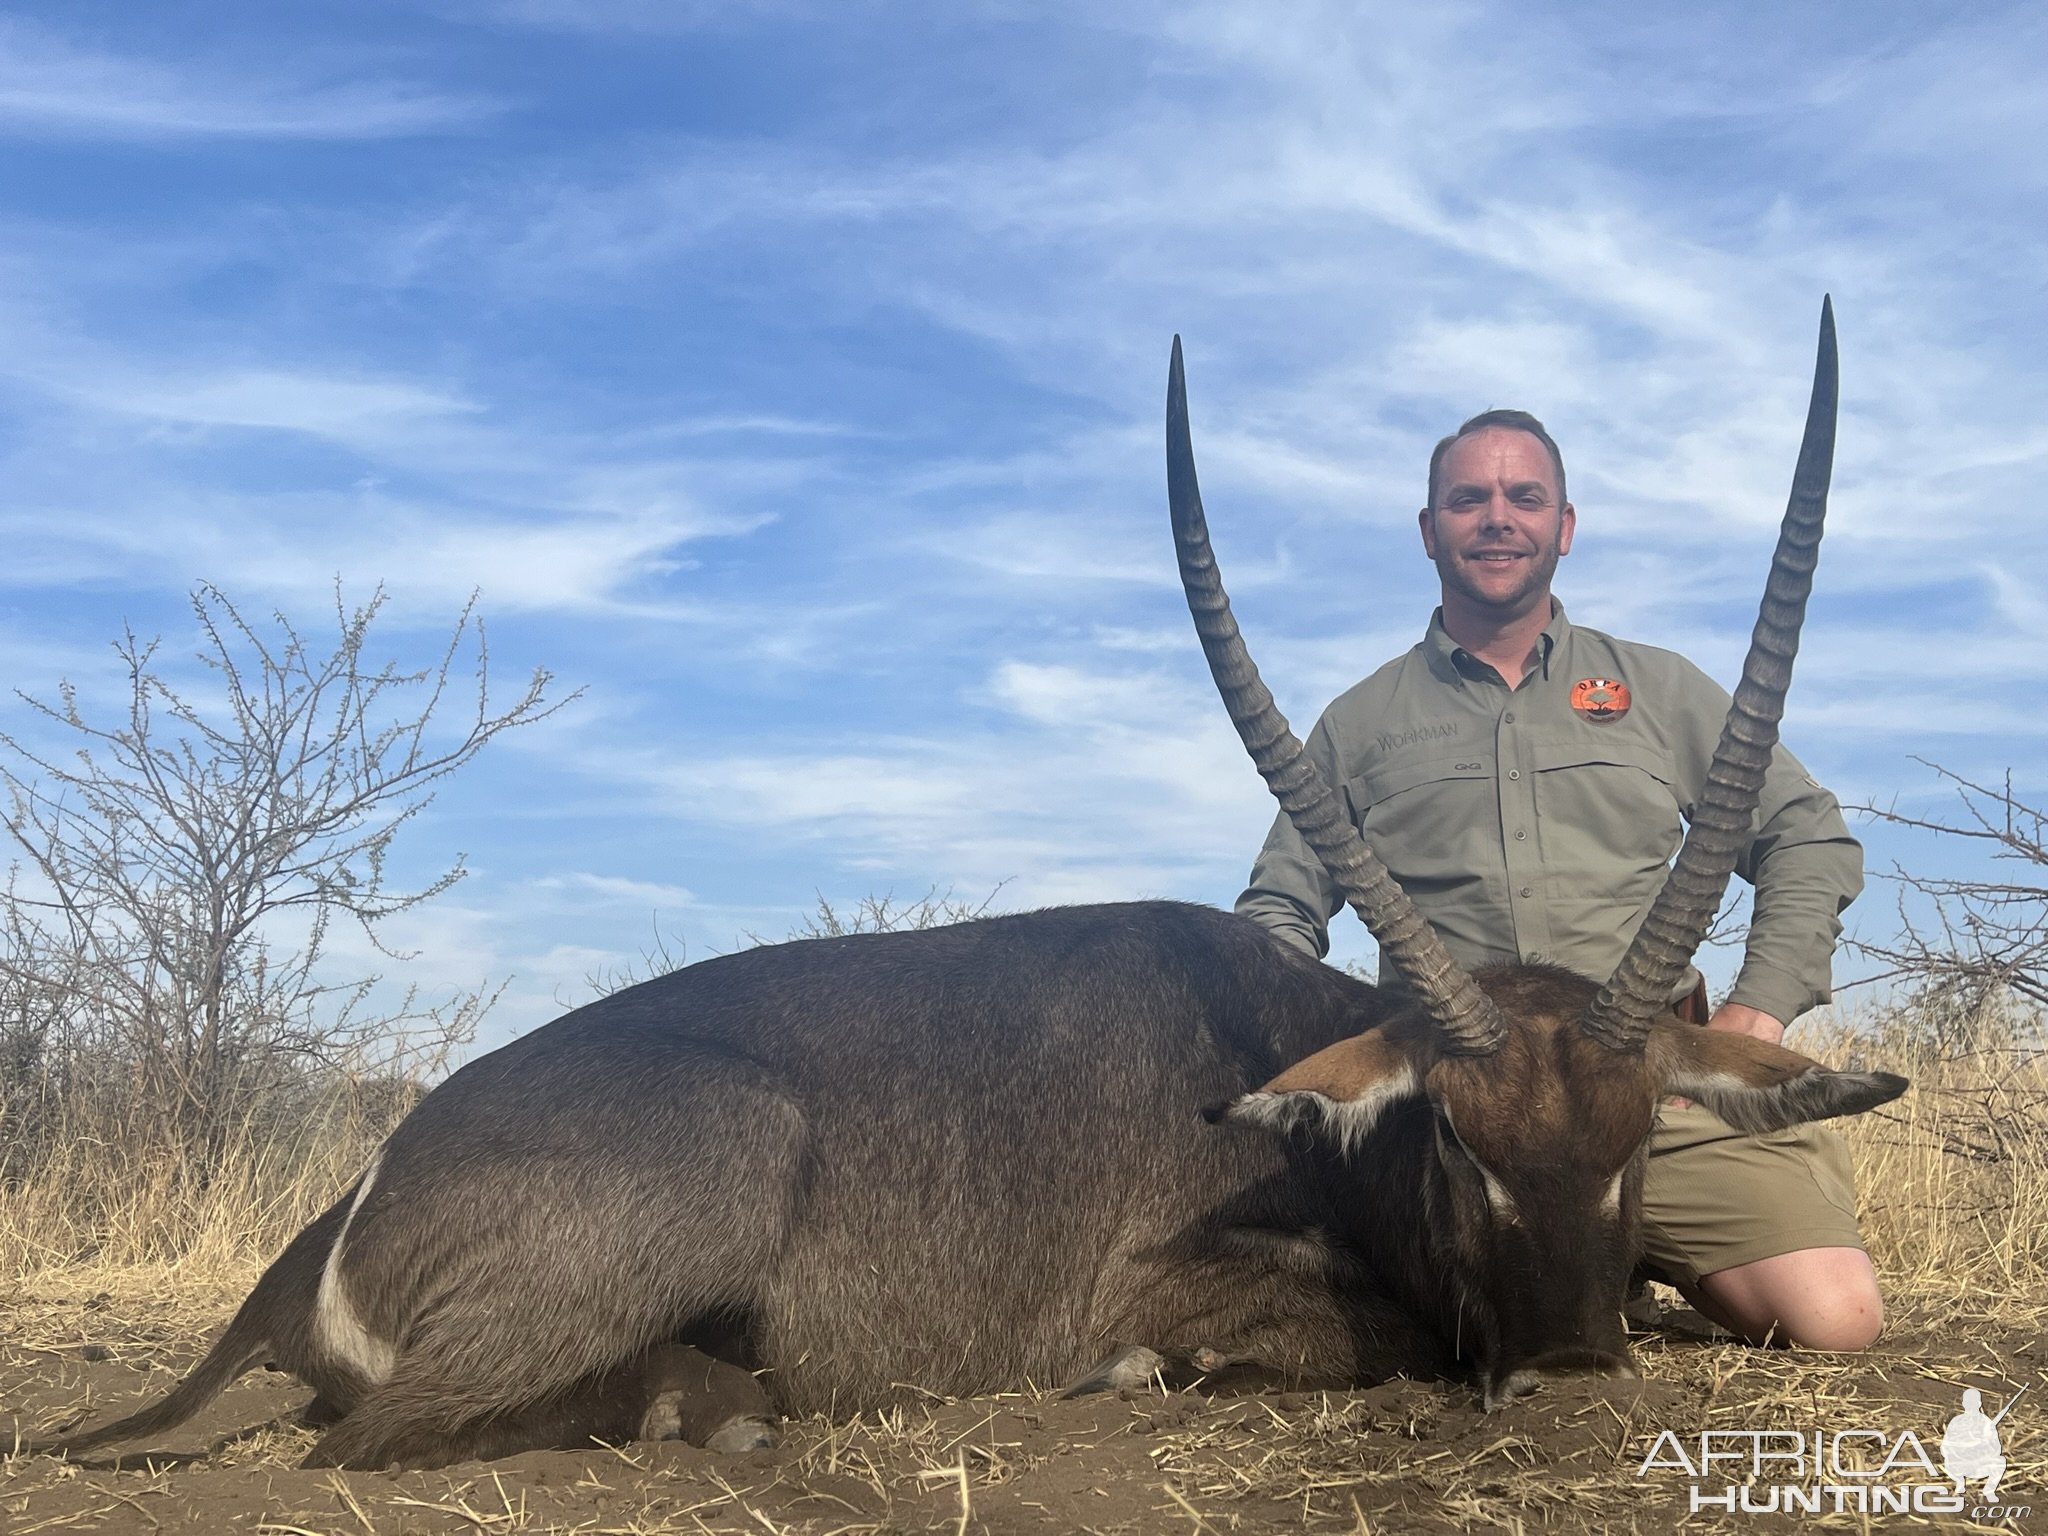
x=1856, y=1470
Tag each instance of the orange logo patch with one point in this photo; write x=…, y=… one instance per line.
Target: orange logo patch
x=1600, y=698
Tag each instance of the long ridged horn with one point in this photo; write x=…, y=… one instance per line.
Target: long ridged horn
x=1467, y=1018
x=1640, y=988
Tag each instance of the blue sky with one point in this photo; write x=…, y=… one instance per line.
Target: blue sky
x=789, y=378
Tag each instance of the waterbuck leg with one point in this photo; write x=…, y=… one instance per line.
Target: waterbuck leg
x=538, y=1322
x=320, y=1413
x=1127, y=1370
x=1230, y=1305
x=1139, y=1369
x=426, y=1414
x=672, y=1392
x=707, y=1401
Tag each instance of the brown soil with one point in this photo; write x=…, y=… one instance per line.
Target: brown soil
x=1404, y=1456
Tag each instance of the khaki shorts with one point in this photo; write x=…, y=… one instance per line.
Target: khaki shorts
x=1714, y=1198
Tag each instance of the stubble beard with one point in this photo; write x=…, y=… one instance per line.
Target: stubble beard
x=1536, y=577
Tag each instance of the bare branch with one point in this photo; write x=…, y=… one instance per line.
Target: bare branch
x=178, y=868
x=1973, y=951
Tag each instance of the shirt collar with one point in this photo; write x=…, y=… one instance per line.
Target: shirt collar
x=1453, y=662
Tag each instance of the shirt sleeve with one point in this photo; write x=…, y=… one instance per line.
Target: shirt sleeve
x=1806, y=868
x=1291, y=895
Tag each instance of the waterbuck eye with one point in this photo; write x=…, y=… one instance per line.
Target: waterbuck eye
x=1498, y=1200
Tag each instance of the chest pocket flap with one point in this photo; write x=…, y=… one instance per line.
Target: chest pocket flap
x=1607, y=810
x=1578, y=752
x=1382, y=781
x=1434, y=820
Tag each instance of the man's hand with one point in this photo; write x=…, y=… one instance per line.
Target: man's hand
x=1739, y=1019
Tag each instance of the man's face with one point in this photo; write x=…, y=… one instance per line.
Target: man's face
x=1497, y=529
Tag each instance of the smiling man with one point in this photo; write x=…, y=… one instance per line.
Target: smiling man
x=1526, y=781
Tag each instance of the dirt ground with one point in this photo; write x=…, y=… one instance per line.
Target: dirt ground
x=1404, y=1456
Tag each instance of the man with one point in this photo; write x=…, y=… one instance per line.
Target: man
x=1524, y=779
x=1970, y=1447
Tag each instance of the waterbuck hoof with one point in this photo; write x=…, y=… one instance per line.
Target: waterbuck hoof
x=1642, y=1312
x=736, y=1437
x=663, y=1419
x=1560, y=1365
x=1128, y=1370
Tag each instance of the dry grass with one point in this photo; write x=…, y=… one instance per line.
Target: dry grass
x=113, y=1270
x=101, y=1209
x=1953, y=1178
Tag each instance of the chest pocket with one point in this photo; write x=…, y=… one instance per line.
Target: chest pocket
x=1434, y=821
x=1605, y=809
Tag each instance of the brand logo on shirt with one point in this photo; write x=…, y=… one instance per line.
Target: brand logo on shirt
x=1440, y=732
x=1600, y=698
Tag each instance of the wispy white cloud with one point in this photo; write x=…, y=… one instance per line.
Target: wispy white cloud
x=53, y=88
x=618, y=890
x=1962, y=101
x=428, y=556
x=1036, y=544
x=1077, y=778
x=537, y=518
x=354, y=411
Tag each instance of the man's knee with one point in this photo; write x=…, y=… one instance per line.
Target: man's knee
x=1817, y=1298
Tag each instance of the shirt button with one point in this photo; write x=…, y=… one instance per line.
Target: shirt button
x=1514, y=773
x=1526, y=891
x=1509, y=717
x=1519, y=836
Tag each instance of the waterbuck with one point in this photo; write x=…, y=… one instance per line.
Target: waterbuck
x=1064, y=1146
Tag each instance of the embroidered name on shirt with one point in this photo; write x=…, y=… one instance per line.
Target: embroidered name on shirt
x=1393, y=739
x=1600, y=698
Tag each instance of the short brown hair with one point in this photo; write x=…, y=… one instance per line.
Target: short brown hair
x=1514, y=421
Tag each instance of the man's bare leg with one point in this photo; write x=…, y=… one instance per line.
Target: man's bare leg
x=1817, y=1298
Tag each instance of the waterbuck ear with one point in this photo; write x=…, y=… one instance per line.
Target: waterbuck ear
x=1340, y=1091
x=1758, y=1087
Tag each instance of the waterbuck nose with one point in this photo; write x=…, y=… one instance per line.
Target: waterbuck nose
x=1575, y=1361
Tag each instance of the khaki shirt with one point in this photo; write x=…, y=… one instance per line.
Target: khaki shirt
x=1528, y=829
